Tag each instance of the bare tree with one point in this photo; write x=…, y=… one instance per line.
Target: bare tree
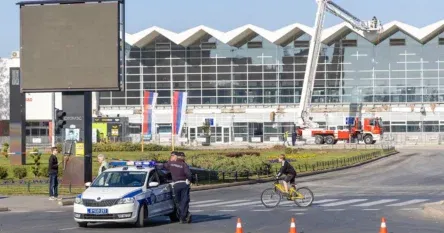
x=4, y=90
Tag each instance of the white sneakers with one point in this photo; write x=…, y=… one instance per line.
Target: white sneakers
x=54, y=198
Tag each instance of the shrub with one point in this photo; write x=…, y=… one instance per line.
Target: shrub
x=128, y=146
x=5, y=149
x=20, y=172
x=43, y=172
x=36, y=156
x=240, y=154
x=3, y=173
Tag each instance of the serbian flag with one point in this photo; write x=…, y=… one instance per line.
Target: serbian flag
x=149, y=103
x=179, y=109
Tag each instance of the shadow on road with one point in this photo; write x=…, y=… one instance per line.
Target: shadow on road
x=160, y=221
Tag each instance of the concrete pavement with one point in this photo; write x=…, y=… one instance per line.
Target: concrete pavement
x=351, y=200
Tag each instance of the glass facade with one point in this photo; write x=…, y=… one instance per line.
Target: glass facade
x=396, y=70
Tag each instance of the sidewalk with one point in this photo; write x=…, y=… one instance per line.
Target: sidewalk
x=27, y=203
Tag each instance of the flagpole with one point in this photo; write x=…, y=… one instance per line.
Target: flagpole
x=172, y=105
x=172, y=121
x=142, y=112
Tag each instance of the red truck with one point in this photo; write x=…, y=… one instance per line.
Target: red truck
x=369, y=131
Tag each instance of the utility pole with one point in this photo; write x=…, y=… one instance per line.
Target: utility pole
x=53, y=120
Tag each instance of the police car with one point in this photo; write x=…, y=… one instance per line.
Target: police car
x=128, y=192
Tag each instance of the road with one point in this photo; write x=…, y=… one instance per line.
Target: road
x=351, y=200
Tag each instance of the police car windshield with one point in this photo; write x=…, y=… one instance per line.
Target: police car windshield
x=120, y=179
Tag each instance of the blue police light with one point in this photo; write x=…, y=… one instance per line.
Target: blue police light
x=138, y=164
x=117, y=163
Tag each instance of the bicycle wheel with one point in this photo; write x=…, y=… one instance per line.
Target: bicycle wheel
x=272, y=193
x=308, y=198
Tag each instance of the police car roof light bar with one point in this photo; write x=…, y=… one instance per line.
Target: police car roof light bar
x=139, y=164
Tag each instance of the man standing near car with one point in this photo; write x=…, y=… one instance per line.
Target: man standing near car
x=181, y=176
x=53, y=170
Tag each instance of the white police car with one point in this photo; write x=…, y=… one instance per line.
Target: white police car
x=131, y=192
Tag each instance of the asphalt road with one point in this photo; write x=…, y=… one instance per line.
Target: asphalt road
x=352, y=200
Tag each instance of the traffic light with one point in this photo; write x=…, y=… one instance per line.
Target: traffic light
x=59, y=120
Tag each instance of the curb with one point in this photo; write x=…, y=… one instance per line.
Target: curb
x=4, y=209
x=70, y=200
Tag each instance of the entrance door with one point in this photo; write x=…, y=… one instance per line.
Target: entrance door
x=226, y=134
x=192, y=134
x=216, y=134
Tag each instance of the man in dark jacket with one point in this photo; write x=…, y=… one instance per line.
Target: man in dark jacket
x=181, y=176
x=53, y=169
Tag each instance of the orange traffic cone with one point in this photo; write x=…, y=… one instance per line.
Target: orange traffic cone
x=292, y=227
x=239, y=226
x=383, y=226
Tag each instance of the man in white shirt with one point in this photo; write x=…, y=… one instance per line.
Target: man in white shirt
x=102, y=162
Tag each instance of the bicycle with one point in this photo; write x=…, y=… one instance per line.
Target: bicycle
x=295, y=195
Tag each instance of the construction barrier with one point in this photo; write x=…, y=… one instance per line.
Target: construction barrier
x=239, y=228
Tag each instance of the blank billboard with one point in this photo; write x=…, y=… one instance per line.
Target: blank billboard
x=70, y=47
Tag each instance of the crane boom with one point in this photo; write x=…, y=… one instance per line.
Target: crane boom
x=305, y=121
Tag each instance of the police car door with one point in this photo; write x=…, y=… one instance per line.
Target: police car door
x=167, y=193
x=154, y=195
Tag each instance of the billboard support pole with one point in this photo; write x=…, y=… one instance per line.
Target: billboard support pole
x=87, y=127
x=53, y=120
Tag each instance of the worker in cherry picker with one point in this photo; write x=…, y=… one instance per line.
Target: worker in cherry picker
x=375, y=22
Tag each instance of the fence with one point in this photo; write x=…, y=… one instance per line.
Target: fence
x=205, y=177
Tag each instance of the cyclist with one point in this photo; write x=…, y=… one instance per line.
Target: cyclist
x=288, y=170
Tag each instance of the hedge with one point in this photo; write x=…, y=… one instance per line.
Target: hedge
x=127, y=146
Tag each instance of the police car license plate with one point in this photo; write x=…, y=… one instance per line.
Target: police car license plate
x=97, y=211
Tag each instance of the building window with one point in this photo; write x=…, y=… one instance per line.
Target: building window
x=301, y=43
x=397, y=42
x=208, y=45
x=349, y=43
x=254, y=44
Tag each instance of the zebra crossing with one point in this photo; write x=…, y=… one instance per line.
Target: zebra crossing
x=336, y=204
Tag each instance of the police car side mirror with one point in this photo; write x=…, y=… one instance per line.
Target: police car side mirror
x=153, y=184
x=87, y=184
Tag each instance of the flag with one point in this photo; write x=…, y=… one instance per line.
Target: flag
x=179, y=108
x=149, y=103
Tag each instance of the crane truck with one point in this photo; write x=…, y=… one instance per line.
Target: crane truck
x=369, y=129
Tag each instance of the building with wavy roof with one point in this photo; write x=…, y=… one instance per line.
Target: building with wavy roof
x=242, y=77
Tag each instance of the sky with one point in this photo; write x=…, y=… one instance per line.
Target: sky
x=180, y=15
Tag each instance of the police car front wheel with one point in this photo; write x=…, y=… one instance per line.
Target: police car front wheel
x=141, y=216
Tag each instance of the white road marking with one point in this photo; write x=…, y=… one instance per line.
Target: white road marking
x=297, y=210
x=263, y=210
x=345, y=202
x=370, y=209
x=244, y=204
x=299, y=213
x=66, y=229
x=195, y=211
x=414, y=201
x=324, y=201
x=227, y=210
x=54, y=211
x=202, y=202
x=334, y=210
x=410, y=209
x=377, y=202
x=220, y=203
